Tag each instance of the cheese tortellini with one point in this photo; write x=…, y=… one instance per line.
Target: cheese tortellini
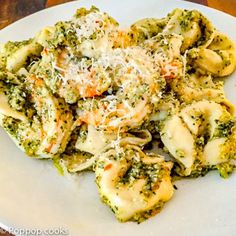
x=92, y=96
x=219, y=58
x=133, y=184
x=205, y=127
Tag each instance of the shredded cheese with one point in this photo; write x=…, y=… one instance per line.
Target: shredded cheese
x=89, y=24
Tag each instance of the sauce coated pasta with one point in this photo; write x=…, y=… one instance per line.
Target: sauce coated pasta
x=92, y=96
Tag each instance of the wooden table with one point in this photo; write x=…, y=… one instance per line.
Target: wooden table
x=12, y=10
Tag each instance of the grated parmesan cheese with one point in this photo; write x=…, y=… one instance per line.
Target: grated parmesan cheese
x=89, y=24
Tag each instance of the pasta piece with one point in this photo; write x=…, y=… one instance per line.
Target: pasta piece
x=94, y=137
x=76, y=162
x=81, y=154
x=55, y=116
x=192, y=25
x=202, y=113
x=183, y=23
x=137, y=138
x=219, y=58
x=210, y=113
x=197, y=87
x=18, y=59
x=43, y=128
x=6, y=109
x=133, y=184
x=87, y=33
x=147, y=28
x=45, y=35
x=73, y=160
x=26, y=135
x=204, y=127
x=7, y=49
x=212, y=152
x=104, y=140
x=183, y=149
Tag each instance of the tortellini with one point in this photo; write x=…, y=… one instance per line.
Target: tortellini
x=195, y=28
x=219, y=58
x=34, y=118
x=133, y=184
x=197, y=87
x=17, y=54
x=204, y=127
x=147, y=28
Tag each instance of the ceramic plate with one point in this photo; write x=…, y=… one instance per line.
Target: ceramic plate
x=34, y=196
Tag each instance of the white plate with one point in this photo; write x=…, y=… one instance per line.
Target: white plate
x=33, y=195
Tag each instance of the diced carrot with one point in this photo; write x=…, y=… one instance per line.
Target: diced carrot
x=107, y=167
x=45, y=51
x=34, y=79
x=170, y=76
x=59, y=123
x=91, y=92
x=49, y=148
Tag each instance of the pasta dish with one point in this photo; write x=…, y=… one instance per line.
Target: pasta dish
x=139, y=107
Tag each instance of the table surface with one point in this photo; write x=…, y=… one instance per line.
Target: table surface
x=12, y=10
